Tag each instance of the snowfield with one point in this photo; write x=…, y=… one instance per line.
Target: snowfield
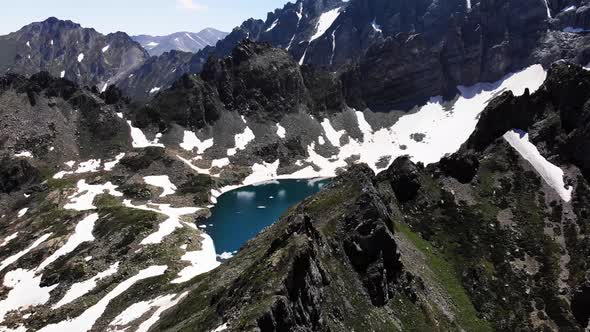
x=445, y=128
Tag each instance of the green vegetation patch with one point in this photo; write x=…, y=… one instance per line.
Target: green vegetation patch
x=446, y=274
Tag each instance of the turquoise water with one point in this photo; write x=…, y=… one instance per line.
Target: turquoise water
x=242, y=213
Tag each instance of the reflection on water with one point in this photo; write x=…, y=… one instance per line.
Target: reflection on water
x=242, y=213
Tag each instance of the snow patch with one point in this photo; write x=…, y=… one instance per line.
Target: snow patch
x=89, y=166
x=109, y=165
x=82, y=200
x=220, y=163
x=332, y=135
x=273, y=25
x=281, y=131
x=162, y=181
x=22, y=212
x=548, y=9
x=262, y=172
x=80, y=57
x=377, y=27
x=221, y=328
x=325, y=22
x=8, y=239
x=24, y=154
x=201, y=261
x=552, y=174
x=569, y=9
x=193, y=167
x=445, y=128
x=106, y=48
x=25, y=291
x=302, y=60
x=191, y=141
x=242, y=140
x=139, y=139
x=82, y=233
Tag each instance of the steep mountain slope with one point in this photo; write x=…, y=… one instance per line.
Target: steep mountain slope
x=263, y=114
x=65, y=49
x=73, y=240
x=108, y=240
x=487, y=239
x=180, y=41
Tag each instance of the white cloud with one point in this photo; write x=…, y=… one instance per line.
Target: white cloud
x=189, y=5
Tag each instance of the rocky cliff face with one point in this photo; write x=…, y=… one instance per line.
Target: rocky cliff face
x=395, y=55
x=444, y=46
x=65, y=49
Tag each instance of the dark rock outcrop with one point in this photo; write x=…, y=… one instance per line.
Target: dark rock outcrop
x=581, y=305
x=403, y=177
x=461, y=166
x=15, y=174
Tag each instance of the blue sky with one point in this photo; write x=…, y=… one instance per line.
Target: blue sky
x=155, y=17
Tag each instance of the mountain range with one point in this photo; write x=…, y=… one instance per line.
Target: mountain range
x=180, y=41
x=455, y=134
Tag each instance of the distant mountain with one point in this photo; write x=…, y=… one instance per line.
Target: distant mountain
x=296, y=22
x=65, y=49
x=180, y=41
